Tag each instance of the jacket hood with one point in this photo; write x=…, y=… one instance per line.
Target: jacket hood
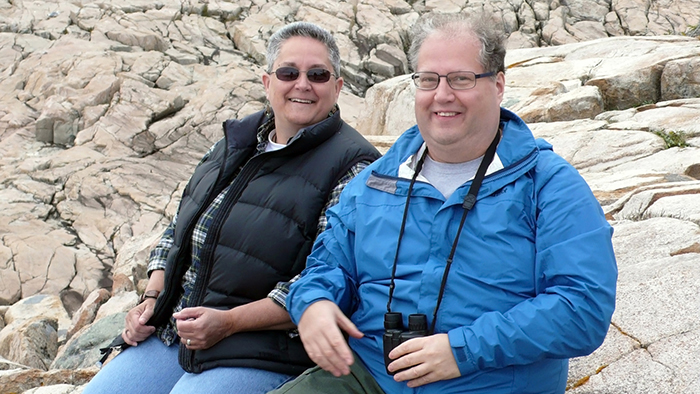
x=516, y=143
x=517, y=152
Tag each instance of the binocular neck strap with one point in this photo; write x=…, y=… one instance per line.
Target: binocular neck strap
x=467, y=204
x=392, y=284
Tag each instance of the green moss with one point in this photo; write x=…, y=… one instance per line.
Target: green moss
x=672, y=138
x=692, y=31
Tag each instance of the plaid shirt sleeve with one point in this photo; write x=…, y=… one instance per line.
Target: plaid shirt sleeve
x=156, y=260
x=281, y=290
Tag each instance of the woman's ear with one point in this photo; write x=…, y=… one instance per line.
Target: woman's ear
x=338, y=86
x=266, y=84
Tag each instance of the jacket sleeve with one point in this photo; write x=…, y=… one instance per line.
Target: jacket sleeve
x=329, y=272
x=576, y=275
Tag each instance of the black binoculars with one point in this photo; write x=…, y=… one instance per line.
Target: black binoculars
x=394, y=334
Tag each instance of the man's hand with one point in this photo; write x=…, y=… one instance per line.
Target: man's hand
x=135, y=328
x=425, y=360
x=319, y=329
x=203, y=327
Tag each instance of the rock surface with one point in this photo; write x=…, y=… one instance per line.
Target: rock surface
x=106, y=107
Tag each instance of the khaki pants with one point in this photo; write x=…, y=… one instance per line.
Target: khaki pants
x=316, y=380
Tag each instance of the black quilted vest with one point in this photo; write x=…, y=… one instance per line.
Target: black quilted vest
x=262, y=234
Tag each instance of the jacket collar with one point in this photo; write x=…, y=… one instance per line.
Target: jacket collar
x=516, y=144
x=248, y=132
x=407, y=168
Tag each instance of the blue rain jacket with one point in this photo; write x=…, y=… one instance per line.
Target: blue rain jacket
x=533, y=279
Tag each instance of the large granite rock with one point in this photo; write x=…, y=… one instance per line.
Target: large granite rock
x=106, y=108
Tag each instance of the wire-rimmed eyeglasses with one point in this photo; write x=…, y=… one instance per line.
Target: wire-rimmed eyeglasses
x=458, y=80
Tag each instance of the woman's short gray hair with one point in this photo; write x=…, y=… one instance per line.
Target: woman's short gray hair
x=493, y=50
x=303, y=29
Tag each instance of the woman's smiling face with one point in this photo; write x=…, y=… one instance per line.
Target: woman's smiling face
x=301, y=103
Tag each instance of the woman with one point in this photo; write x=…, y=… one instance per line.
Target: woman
x=212, y=318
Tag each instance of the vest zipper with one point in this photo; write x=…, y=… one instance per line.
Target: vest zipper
x=249, y=170
x=168, y=295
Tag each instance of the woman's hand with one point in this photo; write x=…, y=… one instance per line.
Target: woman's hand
x=135, y=328
x=201, y=328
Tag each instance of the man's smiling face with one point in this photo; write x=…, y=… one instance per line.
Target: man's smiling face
x=453, y=120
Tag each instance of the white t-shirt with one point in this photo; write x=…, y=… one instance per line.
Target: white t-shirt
x=271, y=145
x=447, y=177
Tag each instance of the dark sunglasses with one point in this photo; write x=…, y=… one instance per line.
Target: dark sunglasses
x=315, y=75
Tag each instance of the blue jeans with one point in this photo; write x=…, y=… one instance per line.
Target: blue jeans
x=152, y=368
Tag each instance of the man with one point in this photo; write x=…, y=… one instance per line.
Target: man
x=472, y=223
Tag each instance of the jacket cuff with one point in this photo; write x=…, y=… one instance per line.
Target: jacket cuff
x=298, y=303
x=460, y=351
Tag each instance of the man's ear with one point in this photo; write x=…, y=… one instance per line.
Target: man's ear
x=500, y=84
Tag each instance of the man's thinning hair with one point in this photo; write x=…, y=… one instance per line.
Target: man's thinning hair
x=480, y=25
x=303, y=29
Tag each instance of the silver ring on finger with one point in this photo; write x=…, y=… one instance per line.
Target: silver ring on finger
x=188, y=342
